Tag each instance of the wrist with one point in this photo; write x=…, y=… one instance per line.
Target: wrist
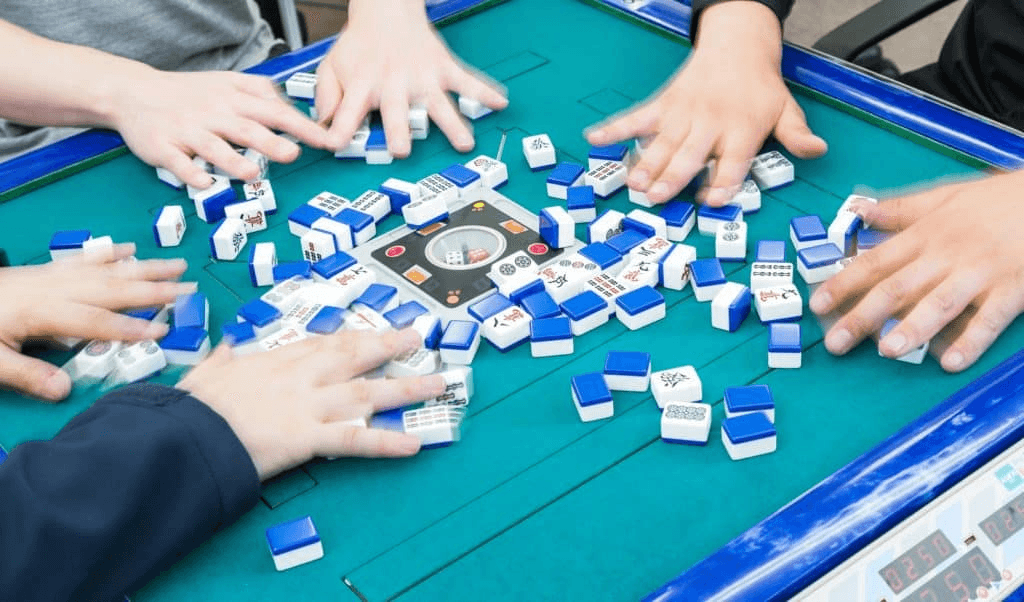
x=372, y=10
x=741, y=28
x=117, y=96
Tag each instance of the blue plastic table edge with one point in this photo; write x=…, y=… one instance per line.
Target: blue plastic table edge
x=31, y=166
x=864, y=499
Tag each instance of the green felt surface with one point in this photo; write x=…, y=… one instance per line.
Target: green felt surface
x=532, y=503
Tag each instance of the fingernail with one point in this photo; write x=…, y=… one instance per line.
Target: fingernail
x=895, y=343
x=840, y=340
x=716, y=196
x=155, y=330
x=57, y=386
x=821, y=302
x=187, y=288
x=596, y=135
x=658, y=190
x=641, y=177
x=409, y=445
x=176, y=263
x=466, y=141
x=954, y=360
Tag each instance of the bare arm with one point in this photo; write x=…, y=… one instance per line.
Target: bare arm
x=165, y=118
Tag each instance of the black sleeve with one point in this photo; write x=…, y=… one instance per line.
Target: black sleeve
x=124, y=490
x=781, y=9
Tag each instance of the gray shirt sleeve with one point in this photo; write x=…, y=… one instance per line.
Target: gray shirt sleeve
x=171, y=35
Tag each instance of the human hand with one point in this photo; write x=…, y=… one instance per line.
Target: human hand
x=78, y=297
x=390, y=57
x=289, y=405
x=170, y=117
x=955, y=271
x=722, y=104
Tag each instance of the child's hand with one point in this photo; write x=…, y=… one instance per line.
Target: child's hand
x=390, y=57
x=287, y=406
x=78, y=297
x=722, y=104
x=171, y=117
x=955, y=271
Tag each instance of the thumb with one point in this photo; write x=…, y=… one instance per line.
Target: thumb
x=328, y=95
x=794, y=134
x=32, y=377
x=338, y=439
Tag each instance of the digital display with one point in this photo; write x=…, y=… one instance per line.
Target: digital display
x=960, y=581
x=1004, y=522
x=915, y=563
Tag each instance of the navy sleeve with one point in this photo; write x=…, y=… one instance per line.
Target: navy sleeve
x=781, y=9
x=128, y=487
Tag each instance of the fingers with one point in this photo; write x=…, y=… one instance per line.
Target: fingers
x=125, y=294
x=352, y=353
x=863, y=274
x=215, y=150
x=900, y=213
x=637, y=123
x=354, y=106
x=328, y=93
x=333, y=440
x=730, y=171
x=252, y=134
x=90, y=322
x=688, y=161
x=32, y=377
x=278, y=115
x=477, y=86
x=379, y=394
x=993, y=316
x=448, y=119
x=151, y=270
x=256, y=85
x=884, y=300
x=394, y=112
x=103, y=256
x=656, y=157
x=180, y=164
x=794, y=134
x=932, y=313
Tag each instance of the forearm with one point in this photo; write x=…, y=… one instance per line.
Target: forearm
x=125, y=489
x=363, y=10
x=747, y=26
x=43, y=82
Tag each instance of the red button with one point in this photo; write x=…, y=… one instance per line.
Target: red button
x=395, y=251
x=537, y=248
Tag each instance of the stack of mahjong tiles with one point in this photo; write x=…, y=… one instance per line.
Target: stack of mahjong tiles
x=747, y=430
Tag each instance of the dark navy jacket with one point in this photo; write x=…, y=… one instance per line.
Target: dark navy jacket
x=128, y=487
